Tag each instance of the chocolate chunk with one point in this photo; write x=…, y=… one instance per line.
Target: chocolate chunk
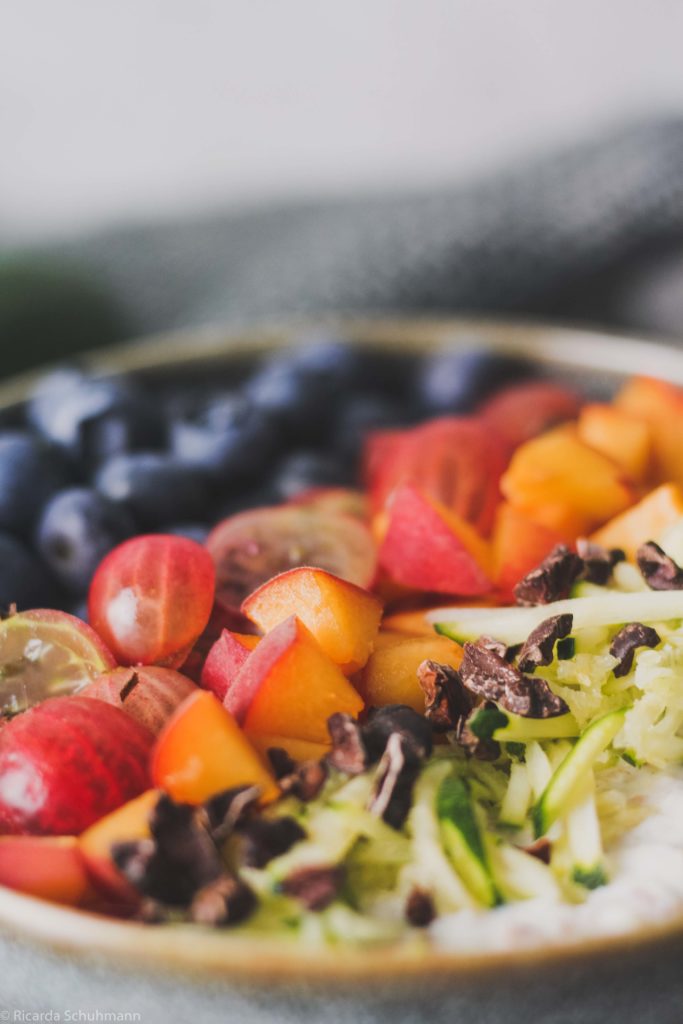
x=393, y=790
x=487, y=675
x=447, y=702
x=225, y=901
x=128, y=688
x=420, y=910
x=627, y=641
x=306, y=781
x=383, y=722
x=598, y=562
x=266, y=838
x=659, y=571
x=541, y=850
x=539, y=646
x=551, y=580
x=484, y=748
x=348, y=752
x=316, y=888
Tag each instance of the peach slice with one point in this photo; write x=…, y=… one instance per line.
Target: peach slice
x=343, y=618
x=659, y=404
x=300, y=750
x=128, y=823
x=202, y=751
x=390, y=676
x=225, y=659
x=49, y=867
x=427, y=547
x=289, y=687
x=559, y=469
x=519, y=545
x=647, y=520
x=623, y=438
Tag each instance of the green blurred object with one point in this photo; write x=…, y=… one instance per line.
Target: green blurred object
x=49, y=311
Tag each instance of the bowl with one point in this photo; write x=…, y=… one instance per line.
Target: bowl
x=77, y=966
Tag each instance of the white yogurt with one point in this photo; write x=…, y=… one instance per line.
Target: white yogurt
x=646, y=886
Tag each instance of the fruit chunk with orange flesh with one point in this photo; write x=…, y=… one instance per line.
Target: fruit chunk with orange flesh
x=659, y=404
x=647, y=520
x=225, y=659
x=49, y=867
x=202, y=751
x=559, y=469
x=128, y=823
x=289, y=687
x=519, y=545
x=427, y=547
x=343, y=618
x=300, y=750
x=623, y=438
x=390, y=676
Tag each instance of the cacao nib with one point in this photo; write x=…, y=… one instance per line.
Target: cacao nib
x=128, y=688
x=490, y=677
x=316, y=888
x=226, y=809
x=266, y=838
x=348, y=753
x=659, y=571
x=420, y=910
x=541, y=850
x=539, y=646
x=396, y=774
x=281, y=763
x=489, y=643
x=306, y=781
x=225, y=901
x=382, y=723
x=626, y=642
x=598, y=562
x=484, y=748
x=551, y=580
x=447, y=702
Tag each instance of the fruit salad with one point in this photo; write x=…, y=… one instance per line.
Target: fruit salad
x=426, y=690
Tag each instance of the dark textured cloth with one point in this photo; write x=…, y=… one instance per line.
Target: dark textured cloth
x=568, y=237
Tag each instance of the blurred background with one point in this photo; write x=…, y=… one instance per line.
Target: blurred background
x=175, y=163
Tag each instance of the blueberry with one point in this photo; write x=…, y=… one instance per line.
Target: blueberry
x=23, y=580
x=153, y=486
x=29, y=474
x=93, y=419
x=193, y=531
x=77, y=529
x=357, y=417
x=456, y=381
x=330, y=363
x=303, y=470
x=231, y=439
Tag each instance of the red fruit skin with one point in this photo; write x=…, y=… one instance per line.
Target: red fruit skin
x=222, y=664
x=151, y=701
x=519, y=413
x=67, y=762
x=246, y=684
x=455, y=460
x=420, y=550
x=151, y=597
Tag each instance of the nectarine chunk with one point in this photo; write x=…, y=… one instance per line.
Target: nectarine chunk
x=519, y=545
x=390, y=676
x=300, y=750
x=342, y=617
x=647, y=520
x=202, y=751
x=225, y=659
x=559, y=469
x=659, y=404
x=128, y=823
x=623, y=438
x=289, y=687
x=49, y=867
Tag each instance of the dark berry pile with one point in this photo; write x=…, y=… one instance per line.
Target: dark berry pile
x=89, y=461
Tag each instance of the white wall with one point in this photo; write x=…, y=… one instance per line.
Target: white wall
x=129, y=108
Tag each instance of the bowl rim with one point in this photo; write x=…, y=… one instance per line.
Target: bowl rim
x=247, y=960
